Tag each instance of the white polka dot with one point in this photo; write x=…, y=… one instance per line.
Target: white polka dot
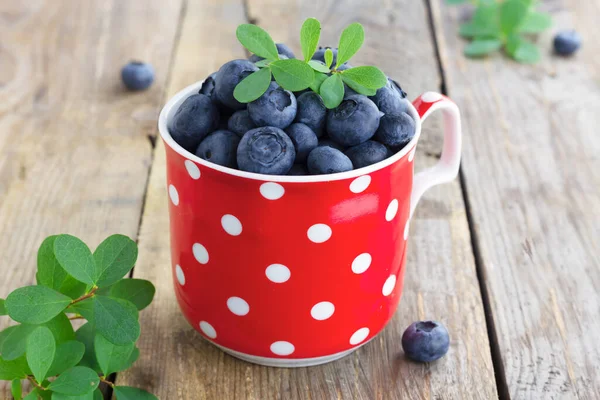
x=411, y=155
x=361, y=263
x=406, y=227
x=179, y=274
x=238, y=306
x=391, y=211
x=278, y=273
x=282, y=348
x=192, y=169
x=208, y=329
x=272, y=190
x=231, y=224
x=200, y=253
x=431, y=97
x=388, y=286
x=319, y=233
x=323, y=310
x=360, y=184
x=359, y=336
x=174, y=195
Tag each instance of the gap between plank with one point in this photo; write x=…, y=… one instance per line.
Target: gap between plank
x=499, y=373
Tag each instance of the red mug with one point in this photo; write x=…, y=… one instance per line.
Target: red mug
x=295, y=271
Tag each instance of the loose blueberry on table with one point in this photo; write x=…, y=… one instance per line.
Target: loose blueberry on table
x=281, y=115
x=425, y=341
x=567, y=43
x=137, y=75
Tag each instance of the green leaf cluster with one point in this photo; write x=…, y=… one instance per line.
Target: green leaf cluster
x=296, y=75
x=74, y=283
x=506, y=24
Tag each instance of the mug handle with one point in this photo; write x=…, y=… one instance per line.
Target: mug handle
x=447, y=167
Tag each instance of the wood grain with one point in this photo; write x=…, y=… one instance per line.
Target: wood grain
x=532, y=173
x=74, y=146
x=176, y=363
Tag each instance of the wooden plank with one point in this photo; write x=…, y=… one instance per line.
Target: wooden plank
x=532, y=174
x=74, y=151
x=440, y=282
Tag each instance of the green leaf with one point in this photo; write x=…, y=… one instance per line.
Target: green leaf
x=253, y=86
x=351, y=40
x=114, y=258
x=332, y=91
x=292, y=74
x=485, y=23
x=88, y=396
x=481, y=47
x=454, y=2
x=358, y=88
x=2, y=307
x=86, y=335
x=328, y=58
x=111, y=357
x=522, y=50
x=369, y=77
x=135, y=354
x=32, y=395
x=262, y=63
x=13, y=341
x=309, y=37
x=140, y=292
x=68, y=354
x=84, y=308
x=257, y=40
x=50, y=273
x=535, y=22
x=76, y=258
x=16, y=390
x=116, y=320
x=41, y=348
x=131, y=393
x=318, y=81
x=35, y=304
x=75, y=381
x=512, y=14
x=13, y=369
x=98, y=394
x=61, y=328
x=318, y=66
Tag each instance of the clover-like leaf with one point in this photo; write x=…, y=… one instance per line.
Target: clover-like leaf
x=114, y=257
x=61, y=328
x=40, y=351
x=111, y=358
x=86, y=335
x=485, y=22
x=328, y=57
x=309, y=37
x=522, y=50
x=292, y=74
x=257, y=40
x=482, y=47
x=35, y=304
x=13, y=341
x=369, y=77
x=253, y=86
x=318, y=66
x=76, y=258
x=2, y=307
x=75, y=381
x=512, y=14
x=13, y=369
x=132, y=393
x=88, y=396
x=351, y=40
x=317, y=82
x=332, y=91
x=16, y=389
x=68, y=354
x=535, y=22
x=116, y=320
x=140, y=292
x=84, y=308
x=357, y=87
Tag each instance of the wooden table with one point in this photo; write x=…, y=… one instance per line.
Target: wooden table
x=508, y=256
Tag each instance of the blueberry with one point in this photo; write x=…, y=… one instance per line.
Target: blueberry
x=320, y=56
x=276, y=107
x=240, y=123
x=195, y=118
x=354, y=121
x=208, y=86
x=266, y=150
x=312, y=112
x=137, y=75
x=367, y=153
x=298, y=169
x=220, y=147
x=327, y=160
x=344, y=67
x=348, y=91
x=282, y=49
x=567, y=42
x=395, y=130
x=331, y=143
x=425, y=341
x=227, y=78
x=304, y=140
x=390, y=99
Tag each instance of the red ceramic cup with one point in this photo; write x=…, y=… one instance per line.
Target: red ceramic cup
x=295, y=270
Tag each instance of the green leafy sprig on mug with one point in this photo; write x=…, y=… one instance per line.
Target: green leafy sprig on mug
x=498, y=24
x=74, y=283
x=325, y=79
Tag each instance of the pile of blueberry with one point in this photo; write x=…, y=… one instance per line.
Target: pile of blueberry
x=290, y=133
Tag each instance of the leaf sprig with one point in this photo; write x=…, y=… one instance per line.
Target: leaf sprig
x=325, y=79
x=504, y=24
x=74, y=283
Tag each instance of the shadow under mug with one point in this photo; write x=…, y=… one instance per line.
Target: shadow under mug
x=295, y=270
